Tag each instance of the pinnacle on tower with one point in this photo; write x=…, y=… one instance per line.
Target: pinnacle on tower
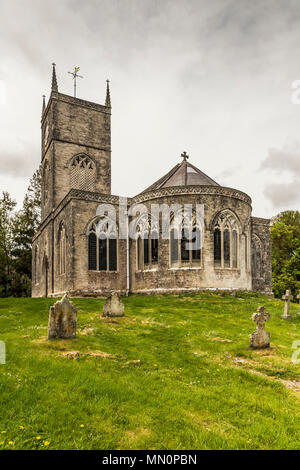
x=44, y=105
x=107, y=100
x=54, y=79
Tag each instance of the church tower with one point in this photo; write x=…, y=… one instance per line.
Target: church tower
x=76, y=146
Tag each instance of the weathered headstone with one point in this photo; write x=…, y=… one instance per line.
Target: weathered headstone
x=113, y=306
x=260, y=338
x=298, y=297
x=287, y=298
x=62, y=319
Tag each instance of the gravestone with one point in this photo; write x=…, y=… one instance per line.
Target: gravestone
x=62, y=319
x=113, y=306
x=260, y=339
x=287, y=298
x=298, y=297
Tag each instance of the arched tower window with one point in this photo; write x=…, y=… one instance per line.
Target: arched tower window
x=102, y=245
x=147, y=243
x=62, y=248
x=82, y=173
x=226, y=241
x=256, y=257
x=185, y=243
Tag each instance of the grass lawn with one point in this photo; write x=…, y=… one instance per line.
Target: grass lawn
x=176, y=372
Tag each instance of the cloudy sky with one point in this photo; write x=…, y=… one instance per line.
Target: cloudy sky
x=213, y=78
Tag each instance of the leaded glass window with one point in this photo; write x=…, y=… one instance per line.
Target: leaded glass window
x=102, y=246
x=185, y=242
x=226, y=241
x=147, y=243
x=62, y=248
x=217, y=247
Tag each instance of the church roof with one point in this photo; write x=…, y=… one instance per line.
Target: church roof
x=183, y=174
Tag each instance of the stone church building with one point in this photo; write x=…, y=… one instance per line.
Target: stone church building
x=72, y=254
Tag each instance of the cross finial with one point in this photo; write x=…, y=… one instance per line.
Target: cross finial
x=185, y=156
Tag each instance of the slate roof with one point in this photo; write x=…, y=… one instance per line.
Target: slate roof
x=183, y=174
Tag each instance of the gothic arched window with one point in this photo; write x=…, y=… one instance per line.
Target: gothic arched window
x=102, y=245
x=35, y=265
x=45, y=179
x=62, y=249
x=147, y=243
x=185, y=243
x=256, y=257
x=226, y=241
x=82, y=173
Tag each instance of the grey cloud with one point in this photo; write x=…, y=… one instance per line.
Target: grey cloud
x=21, y=165
x=283, y=195
x=228, y=172
x=283, y=161
x=286, y=159
x=184, y=74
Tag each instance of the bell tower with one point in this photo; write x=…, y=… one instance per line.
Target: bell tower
x=76, y=146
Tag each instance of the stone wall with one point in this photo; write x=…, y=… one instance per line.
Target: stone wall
x=76, y=211
x=71, y=127
x=87, y=282
x=46, y=242
x=169, y=279
x=79, y=208
x=261, y=229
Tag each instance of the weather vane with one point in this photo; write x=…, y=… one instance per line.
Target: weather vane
x=75, y=76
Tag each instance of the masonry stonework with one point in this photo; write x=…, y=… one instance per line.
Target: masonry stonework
x=76, y=162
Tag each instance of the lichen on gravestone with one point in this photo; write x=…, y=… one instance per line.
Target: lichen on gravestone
x=62, y=319
x=113, y=306
x=260, y=339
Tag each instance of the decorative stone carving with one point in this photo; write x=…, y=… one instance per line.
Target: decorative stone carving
x=86, y=104
x=113, y=307
x=260, y=221
x=179, y=190
x=260, y=339
x=62, y=319
x=287, y=298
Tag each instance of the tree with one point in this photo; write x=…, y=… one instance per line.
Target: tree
x=285, y=238
x=7, y=206
x=25, y=224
